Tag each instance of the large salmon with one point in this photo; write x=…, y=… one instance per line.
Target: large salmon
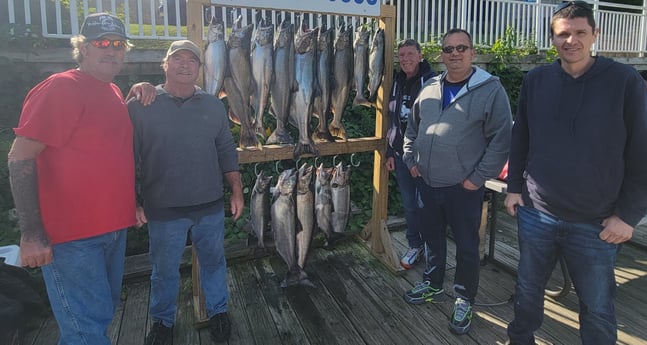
x=284, y=223
x=360, y=49
x=302, y=99
x=283, y=83
x=323, y=205
x=343, y=73
x=262, y=71
x=259, y=205
x=241, y=82
x=324, y=84
x=305, y=213
x=375, y=64
x=340, y=197
x=215, y=58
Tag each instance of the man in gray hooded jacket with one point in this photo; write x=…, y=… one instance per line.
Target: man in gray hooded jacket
x=458, y=136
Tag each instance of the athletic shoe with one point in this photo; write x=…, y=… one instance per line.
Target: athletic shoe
x=220, y=327
x=159, y=335
x=411, y=257
x=424, y=292
x=462, y=317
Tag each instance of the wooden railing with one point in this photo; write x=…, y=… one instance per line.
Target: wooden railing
x=622, y=27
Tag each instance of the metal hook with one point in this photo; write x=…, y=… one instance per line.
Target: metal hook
x=352, y=161
x=334, y=160
x=276, y=166
x=316, y=159
x=256, y=168
x=296, y=163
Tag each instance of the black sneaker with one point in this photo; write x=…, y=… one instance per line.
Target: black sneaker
x=220, y=327
x=159, y=335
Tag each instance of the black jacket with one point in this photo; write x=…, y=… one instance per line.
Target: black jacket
x=403, y=92
x=579, y=145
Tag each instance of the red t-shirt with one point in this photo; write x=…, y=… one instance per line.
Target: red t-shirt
x=86, y=172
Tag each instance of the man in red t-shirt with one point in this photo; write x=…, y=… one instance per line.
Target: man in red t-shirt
x=71, y=171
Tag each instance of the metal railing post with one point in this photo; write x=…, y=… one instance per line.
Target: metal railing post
x=643, y=28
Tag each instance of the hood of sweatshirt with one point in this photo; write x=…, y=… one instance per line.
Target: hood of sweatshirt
x=574, y=91
x=478, y=77
x=423, y=71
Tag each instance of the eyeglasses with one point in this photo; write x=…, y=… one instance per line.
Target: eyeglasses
x=105, y=43
x=581, y=4
x=461, y=48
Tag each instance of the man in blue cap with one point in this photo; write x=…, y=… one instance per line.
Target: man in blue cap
x=72, y=178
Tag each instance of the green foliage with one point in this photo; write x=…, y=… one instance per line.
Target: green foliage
x=511, y=47
x=551, y=54
x=17, y=79
x=505, y=51
x=8, y=220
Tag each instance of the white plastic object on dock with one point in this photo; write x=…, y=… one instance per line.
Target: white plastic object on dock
x=11, y=254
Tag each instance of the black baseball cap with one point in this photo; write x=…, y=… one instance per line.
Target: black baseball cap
x=98, y=25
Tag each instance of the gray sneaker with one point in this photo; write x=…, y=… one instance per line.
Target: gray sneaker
x=424, y=293
x=411, y=257
x=461, y=320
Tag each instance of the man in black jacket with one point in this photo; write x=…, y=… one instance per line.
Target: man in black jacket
x=576, y=178
x=414, y=72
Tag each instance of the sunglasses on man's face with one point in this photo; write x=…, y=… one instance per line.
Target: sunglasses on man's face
x=581, y=4
x=461, y=48
x=105, y=43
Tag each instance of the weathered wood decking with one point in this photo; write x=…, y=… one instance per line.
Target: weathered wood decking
x=359, y=301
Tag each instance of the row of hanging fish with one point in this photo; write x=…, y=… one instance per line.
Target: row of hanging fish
x=298, y=208
x=296, y=75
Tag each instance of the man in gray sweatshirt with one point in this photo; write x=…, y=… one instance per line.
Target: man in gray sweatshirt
x=458, y=136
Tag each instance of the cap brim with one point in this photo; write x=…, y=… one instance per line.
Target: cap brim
x=103, y=34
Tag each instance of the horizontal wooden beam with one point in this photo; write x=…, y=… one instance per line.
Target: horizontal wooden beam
x=281, y=152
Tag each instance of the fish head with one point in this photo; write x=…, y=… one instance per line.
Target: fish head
x=241, y=37
x=289, y=183
x=286, y=182
x=377, y=44
x=343, y=38
x=361, y=35
x=340, y=175
x=304, y=41
x=262, y=182
x=264, y=35
x=325, y=39
x=306, y=171
x=324, y=174
x=305, y=178
x=216, y=32
x=286, y=33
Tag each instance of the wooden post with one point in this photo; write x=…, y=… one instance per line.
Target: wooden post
x=195, y=29
x=376, y=232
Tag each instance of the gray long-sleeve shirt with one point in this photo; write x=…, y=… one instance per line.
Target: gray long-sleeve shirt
x=182, y=149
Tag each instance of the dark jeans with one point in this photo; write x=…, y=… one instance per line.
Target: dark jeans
x=590, y=262
x=410, y=201
x=460, y=209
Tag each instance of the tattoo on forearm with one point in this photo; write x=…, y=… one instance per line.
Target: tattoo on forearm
x=23, y=178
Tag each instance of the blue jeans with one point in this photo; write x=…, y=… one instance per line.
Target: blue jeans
x=410, y=201
x=461, y=210
x=167, y=239
x=590, y=262
x=84, y=286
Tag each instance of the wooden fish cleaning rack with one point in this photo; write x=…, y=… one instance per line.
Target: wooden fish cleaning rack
x=375, y=234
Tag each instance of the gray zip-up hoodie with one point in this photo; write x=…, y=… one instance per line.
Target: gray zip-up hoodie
x=469, y=139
